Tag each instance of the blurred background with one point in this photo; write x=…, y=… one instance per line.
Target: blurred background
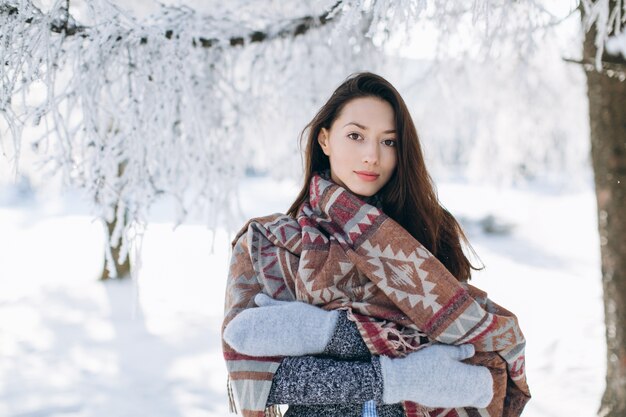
x=137, y=137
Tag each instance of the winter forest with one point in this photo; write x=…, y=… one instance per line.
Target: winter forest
x=137, y=137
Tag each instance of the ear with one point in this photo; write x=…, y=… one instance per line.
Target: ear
x=322, y=139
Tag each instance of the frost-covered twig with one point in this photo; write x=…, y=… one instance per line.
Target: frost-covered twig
x=612, y=69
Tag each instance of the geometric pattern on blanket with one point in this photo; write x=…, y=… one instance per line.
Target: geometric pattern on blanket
x=343, y=253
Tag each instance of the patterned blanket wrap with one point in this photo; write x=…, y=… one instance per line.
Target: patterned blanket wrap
x=342, y=253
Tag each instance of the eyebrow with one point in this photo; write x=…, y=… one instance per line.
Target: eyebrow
x=360, y=126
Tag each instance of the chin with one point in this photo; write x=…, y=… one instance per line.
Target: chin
x=362, y=192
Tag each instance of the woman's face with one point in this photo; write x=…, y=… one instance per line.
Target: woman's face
x=361, y=145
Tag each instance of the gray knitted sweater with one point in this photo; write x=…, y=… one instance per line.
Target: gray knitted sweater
x=334, y=384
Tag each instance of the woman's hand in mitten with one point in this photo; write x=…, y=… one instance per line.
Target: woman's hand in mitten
x=280, y=328
x=435, y=377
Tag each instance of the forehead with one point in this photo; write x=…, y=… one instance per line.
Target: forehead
x=369, y=112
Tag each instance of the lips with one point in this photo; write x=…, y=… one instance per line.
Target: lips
x=367, y=175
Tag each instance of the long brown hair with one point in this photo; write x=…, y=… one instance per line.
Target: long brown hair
x=409, y=197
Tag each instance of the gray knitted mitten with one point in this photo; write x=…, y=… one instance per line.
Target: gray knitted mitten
x=435, y=377
x=281, y=328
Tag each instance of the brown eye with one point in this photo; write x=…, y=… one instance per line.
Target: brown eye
x=390, y=142
x=354, y=136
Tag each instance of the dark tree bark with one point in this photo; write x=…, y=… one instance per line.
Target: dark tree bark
x=607, y=116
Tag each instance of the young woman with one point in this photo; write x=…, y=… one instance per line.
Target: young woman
x=376, y=265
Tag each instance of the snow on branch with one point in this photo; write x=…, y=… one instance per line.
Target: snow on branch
x=608, y=18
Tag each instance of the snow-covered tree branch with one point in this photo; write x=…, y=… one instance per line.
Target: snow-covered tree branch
x=132, y=109
x=608, y=21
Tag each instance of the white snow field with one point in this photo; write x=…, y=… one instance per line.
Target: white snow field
x=73, y=346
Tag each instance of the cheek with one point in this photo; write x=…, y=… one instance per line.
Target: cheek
x=338, y=163
x=340, y=152
x=391, y=160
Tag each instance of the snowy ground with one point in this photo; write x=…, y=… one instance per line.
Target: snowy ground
x=72, y=346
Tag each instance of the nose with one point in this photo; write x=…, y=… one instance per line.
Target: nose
x=371, y=152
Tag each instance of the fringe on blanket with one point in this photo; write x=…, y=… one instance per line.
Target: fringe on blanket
x=232, y=407
x=273, y=411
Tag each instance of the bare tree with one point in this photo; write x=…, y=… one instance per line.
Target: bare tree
x=607, y=118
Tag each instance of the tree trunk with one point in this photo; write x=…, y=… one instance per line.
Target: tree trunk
x=607, y=116
x=121, y=270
